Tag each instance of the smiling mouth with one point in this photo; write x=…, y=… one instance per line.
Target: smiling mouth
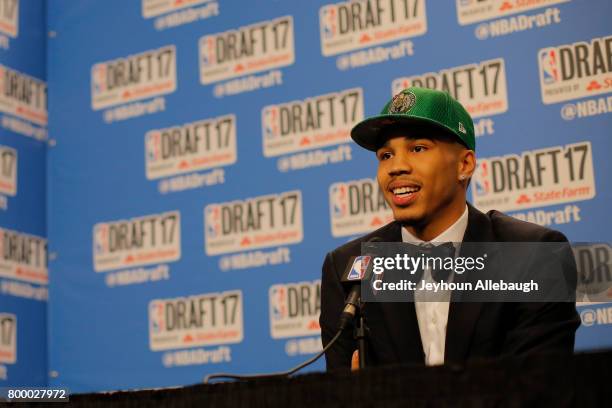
x=404, y=192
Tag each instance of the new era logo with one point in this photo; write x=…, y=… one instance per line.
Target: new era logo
x=462, y=128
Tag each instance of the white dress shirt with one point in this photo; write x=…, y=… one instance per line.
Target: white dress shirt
x=433, y=316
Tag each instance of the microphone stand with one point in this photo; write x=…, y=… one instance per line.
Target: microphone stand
x=348, y=315
x=360, y=334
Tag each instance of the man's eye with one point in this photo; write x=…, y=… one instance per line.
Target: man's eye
x=385, y=156
x=419, y=148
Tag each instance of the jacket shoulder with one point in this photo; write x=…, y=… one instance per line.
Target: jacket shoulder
x=510, y=229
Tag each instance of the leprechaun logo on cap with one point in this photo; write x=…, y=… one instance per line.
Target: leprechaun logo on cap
x=402, y=102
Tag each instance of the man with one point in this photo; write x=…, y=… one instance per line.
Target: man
x=425, y=145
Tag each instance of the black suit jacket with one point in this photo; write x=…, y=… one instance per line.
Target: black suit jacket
x=474, y=330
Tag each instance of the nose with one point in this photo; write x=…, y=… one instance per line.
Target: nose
x=400, y=164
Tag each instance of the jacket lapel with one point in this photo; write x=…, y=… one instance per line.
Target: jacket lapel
x=462, y=317
x=400, y=317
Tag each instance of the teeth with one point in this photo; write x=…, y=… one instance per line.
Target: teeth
x=405, y=190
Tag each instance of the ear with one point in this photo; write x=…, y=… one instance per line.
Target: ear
x=466, y=164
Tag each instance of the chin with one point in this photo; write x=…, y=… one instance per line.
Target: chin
x=407, y=215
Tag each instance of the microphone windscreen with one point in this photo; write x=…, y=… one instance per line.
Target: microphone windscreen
x=358, y=268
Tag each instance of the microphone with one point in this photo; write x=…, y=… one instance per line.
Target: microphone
x=357, y=270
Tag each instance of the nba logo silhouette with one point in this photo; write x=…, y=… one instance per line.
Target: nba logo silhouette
x=359, y=268
x=482, y=179
x=156, y=312
x=153, y=146
x=101, y=238
x=99, y=78
x=208, y=51
x=279, y=302
x=339, y=198
x=213, y=221
x=271, y=119
x=328, y=21
x=549, y=66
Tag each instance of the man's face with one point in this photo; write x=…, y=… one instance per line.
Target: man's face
x=419, y=176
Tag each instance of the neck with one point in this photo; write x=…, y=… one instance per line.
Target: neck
x=439, y=222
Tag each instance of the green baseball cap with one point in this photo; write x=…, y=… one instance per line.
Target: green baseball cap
x=418, y=108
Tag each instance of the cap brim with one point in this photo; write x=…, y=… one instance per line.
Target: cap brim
x=368, y=133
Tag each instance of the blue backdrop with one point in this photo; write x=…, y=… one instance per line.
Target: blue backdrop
x=200, y=163
x=23, y=260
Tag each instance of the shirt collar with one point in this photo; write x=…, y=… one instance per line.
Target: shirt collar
x=454, y=233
